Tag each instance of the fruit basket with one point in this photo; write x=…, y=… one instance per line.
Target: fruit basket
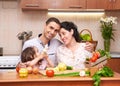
x=88, y=37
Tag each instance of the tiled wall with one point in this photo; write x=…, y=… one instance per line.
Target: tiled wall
x=13, y=20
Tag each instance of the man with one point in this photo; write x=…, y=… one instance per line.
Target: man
x=51, y=29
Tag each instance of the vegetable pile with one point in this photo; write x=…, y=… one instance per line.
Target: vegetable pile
x=98, y=54
x=104, y=72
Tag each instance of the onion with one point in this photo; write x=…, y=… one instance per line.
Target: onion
x=30, y=69
x=35, y=70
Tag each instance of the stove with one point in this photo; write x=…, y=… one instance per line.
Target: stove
x=9, y=62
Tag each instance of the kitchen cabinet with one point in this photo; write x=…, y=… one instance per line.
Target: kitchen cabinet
x=47, y=4
x=29, y=4
x=37, y=4
x=53, y=4
x=114, y=64
x=71, y=4
x=91, y=4
x=108, y=4
x=103, y=4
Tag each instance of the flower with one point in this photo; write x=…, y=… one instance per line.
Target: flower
x=107, y=27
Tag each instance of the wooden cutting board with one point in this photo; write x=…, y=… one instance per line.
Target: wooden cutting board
x=43, y=72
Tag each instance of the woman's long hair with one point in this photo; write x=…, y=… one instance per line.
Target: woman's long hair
x=71, y=26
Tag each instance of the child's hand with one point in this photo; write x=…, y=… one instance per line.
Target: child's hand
x=42, y=55
x=45, y=55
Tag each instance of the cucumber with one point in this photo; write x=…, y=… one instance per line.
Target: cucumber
x=69, y=67
x=68, y=74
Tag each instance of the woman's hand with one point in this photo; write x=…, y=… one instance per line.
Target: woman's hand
x=89, y=47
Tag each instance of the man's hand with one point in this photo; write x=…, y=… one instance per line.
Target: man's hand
x=89, y=47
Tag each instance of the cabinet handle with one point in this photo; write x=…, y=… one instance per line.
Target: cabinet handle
x=32, y=5
x=75, y=7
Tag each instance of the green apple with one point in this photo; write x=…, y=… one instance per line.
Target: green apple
x=86, y=37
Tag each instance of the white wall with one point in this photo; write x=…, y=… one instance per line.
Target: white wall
x=13, y=20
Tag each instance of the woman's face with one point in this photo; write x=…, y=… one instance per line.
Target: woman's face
x=66, y=36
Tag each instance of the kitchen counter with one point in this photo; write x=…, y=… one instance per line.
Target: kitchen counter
x=11, y=78
x=115, y=55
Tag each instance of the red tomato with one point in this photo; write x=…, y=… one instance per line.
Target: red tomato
x=18, y=67
x=95, y=55
x=50, y=73
x=98, y=54
x=93, y=59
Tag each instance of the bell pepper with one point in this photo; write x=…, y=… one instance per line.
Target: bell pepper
x=23, y=72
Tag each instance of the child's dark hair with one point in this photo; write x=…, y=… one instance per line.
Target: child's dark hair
x=28, y=54
x=70, y=25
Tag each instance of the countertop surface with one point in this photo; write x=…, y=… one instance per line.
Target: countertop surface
x=115, y=55
x=12, y=76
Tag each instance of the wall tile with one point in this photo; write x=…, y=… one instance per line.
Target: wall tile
x=13, y=21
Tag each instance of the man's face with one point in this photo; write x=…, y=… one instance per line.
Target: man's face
x=51, y=30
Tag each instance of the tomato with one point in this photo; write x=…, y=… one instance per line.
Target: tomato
x=93, y=59
x=18, y=67
x=98, y=54
x=95, y=55
x=50, y=73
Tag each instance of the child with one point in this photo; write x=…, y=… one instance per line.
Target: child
x=42, y=61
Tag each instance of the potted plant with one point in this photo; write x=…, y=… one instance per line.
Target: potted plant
x=107, y=31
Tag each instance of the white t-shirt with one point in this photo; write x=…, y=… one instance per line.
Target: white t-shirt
x=76, y=58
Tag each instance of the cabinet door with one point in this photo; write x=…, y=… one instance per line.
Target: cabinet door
x=61, y=4
x=108, y=4
x=77, y=4
x=104, y=4
x=114, y=64
x=29, y=4
x=47, y=4
x=116, y=4
x=53, y=4
x=91, y=4
x=70, y=4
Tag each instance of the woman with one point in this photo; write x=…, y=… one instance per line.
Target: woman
x=72, y=52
